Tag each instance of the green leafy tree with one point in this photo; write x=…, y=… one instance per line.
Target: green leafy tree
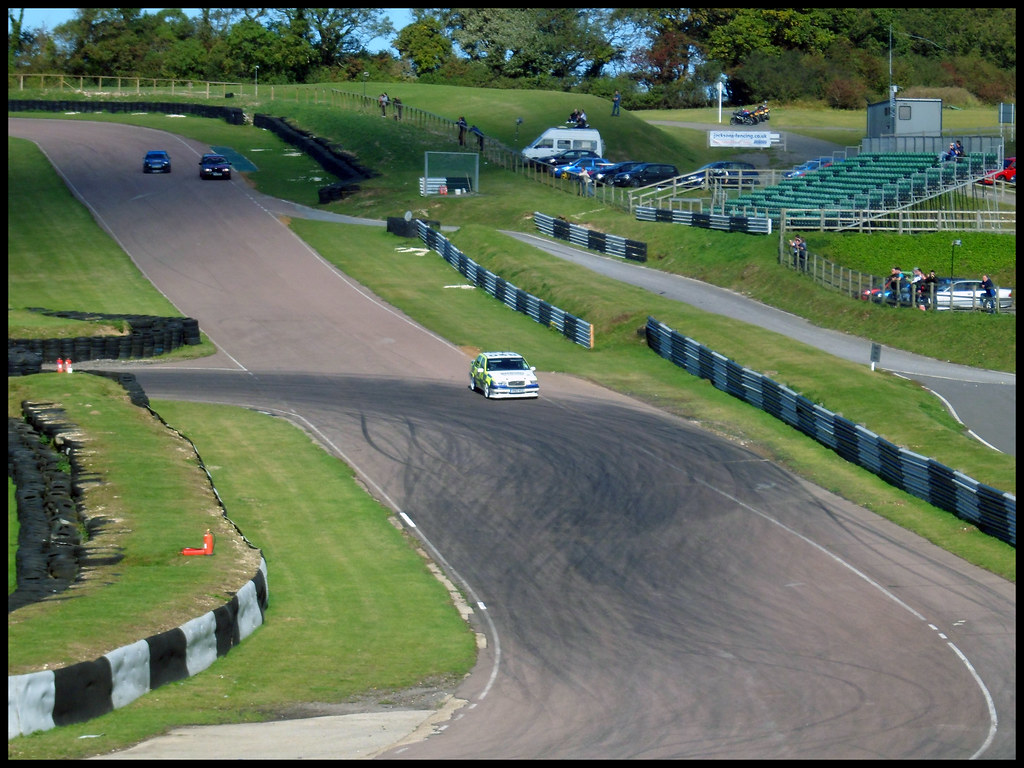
x=335, y=33
x=423, y=43
x=16, y=43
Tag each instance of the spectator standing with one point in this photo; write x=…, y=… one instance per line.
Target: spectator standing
x=928, y=286
x=585, y=183
x=383, y=101
x=398, y=109
x=462, y=125
x=988, y=294
x=479, y=136
x=616, y=99
x=916, y=284
x=893, y=284
x=799, y=251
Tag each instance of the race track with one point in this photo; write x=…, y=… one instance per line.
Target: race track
x=647, y=589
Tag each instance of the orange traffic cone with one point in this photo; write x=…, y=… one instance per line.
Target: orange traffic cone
x=207, y=546
x=60, y=365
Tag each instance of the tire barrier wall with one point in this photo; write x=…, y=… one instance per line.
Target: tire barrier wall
x=50, y=555
x=231, y=115
x=148, y=336
x=752, y=226
x=579, y=331
x=330, y=157
x=994, y=512
x=40, y=701
x=613, y=245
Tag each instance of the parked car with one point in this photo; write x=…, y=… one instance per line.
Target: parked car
x=213, y=166
x=805, y=168
x=968, y=294
x=502, y=375
x=729, y=173
x=645, y=174
x=606, y=174
x=567, y=156
x=156, y=161
x=572, y=170
x=1008, y=174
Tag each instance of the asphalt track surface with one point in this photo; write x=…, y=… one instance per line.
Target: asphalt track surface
x=646, y=589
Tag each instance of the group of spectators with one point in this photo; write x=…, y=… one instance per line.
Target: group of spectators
x=577, y=119
x=921, y=286
x=955, y=151
x=384, y=101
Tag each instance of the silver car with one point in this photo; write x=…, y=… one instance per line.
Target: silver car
x=968, y=294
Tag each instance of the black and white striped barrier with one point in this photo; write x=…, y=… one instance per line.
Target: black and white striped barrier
x=39, y=701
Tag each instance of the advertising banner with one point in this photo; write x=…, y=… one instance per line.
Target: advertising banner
x=759, y=139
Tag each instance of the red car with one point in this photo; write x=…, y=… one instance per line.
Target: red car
x=1008, y=174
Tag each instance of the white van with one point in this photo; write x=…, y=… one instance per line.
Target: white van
x=555, y=140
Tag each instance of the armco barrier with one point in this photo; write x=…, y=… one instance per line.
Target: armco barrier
x=994, y=512
x=613, y=245
x=721, y=222
x=39, y=701
x=579, y=331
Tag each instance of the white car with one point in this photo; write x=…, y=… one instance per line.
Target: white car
x=503, y=374
x=968, y=294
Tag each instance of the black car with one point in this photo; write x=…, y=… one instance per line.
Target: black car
x=568, y=156
x=213, y=166
x=156, y=161
x=605, y=175
x=645, y=174
x=729, y=173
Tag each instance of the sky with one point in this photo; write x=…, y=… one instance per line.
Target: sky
x=51, y=17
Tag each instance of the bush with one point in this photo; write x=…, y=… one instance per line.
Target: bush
x=844, y=93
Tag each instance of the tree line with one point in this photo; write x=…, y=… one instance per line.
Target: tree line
x=657, y=57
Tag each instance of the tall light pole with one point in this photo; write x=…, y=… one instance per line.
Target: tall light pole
x=894, y=88
x=257, y=81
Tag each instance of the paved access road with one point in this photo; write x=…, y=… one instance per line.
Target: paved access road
x=985, y=401
x=645, y=589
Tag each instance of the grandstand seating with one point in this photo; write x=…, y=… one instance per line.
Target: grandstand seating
x=875, y=181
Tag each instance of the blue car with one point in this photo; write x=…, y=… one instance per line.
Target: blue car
x=156, y=161
x=572, y=170
x=810, y=165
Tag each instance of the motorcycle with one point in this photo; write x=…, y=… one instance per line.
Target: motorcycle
x=743, y=117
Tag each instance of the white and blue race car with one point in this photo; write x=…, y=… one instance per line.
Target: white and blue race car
x=503, y=374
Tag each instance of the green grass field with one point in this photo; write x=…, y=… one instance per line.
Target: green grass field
x=368, y=646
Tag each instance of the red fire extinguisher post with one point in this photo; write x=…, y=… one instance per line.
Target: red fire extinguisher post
x=207, y=546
